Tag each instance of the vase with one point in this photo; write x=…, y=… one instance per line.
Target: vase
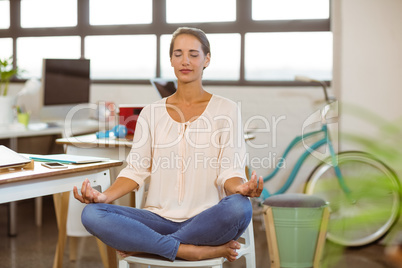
x=7, y=113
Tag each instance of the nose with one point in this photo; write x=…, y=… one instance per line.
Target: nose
x=185, y=60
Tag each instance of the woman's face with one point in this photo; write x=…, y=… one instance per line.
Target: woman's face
x=188, y=59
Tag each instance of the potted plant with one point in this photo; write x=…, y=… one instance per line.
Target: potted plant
x=6, y=102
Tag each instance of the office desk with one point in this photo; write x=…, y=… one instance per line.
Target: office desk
x=89, y=145
x=13, y=132
x=23, y=184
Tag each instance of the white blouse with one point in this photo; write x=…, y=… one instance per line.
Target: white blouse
x=188, y=163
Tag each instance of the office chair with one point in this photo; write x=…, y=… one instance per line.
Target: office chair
x=246, y=240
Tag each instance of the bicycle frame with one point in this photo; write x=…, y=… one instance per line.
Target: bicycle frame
x=324, y=141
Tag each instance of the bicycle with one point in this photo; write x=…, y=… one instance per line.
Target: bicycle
x=355, y=184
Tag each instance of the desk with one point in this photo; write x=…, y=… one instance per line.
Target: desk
x=24, y=184
x=13, y=132
x=89, y=145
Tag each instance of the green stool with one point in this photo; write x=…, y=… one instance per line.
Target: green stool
x=296, y=226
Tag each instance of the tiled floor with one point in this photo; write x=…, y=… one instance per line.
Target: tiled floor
x=35, y=246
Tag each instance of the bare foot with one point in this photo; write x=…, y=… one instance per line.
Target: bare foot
x=125, y=254
x=196, y=253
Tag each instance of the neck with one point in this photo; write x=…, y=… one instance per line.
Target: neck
x=190, y=92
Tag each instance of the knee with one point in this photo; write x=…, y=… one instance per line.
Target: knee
x=239, y=207
x=91, y=214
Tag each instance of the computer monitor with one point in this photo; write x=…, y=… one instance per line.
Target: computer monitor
x=165, y=87
x=65, y=84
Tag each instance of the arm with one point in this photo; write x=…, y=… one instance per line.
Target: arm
x=251, y=188
x=119, y=188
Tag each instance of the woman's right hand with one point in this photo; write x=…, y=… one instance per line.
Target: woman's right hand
x=89, y=194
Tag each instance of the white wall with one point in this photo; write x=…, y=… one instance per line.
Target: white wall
x=368, y=61
x=368, y=54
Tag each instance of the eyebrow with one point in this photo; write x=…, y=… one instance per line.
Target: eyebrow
x=191, y=50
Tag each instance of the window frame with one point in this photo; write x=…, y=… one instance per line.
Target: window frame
x=243, y=24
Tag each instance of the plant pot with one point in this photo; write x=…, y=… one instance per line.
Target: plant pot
x=7, y=104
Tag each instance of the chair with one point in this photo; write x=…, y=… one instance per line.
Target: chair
x=296, y=226
x=246, y=240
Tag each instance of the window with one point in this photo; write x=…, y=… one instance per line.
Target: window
x=253, y=42
x=121, y=56
x=32, y=50
x=106, y=12
x=48, y=13
x=290, y=9
x=4, y=14
x=6, y=48
x=185, y=11
x=282, y=56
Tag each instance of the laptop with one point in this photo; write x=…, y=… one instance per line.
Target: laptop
x=9, y=158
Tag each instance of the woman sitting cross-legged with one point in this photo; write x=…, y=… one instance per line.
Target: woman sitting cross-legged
x=191, y=147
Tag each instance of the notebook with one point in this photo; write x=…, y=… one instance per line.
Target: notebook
x=9, y=158
x=68, y=158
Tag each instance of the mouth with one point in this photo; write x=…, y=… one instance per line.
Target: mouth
x=185, y=71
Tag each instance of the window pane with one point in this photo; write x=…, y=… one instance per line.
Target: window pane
x=6, y=48
x=225, y=57
x=166, y=68
x=4, y=14
x=48, y=13
x=179, y=11
x=121, y=56
x=281, y=56
x=32, y=51
x=106, y=12
x=290, y=9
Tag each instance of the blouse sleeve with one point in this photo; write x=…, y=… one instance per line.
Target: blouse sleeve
x=232, y=157
x=139, y=159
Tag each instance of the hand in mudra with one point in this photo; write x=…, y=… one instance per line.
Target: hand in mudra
x=89, y=194
x=253, y=187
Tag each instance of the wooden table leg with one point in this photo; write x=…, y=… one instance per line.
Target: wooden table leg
x=61, y=208
x=111, y=256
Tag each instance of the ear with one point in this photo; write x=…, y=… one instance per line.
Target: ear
x=207, y=60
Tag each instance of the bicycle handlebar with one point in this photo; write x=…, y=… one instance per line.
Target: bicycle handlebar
x=322, y=83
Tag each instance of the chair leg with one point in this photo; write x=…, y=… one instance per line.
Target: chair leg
x=250, y=260
x=123, y=264
x=321, y=238
x=271, y=238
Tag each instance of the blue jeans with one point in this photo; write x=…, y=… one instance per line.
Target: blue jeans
x=138, y=230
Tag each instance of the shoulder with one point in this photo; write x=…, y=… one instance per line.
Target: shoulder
x=223, y=103
x=224, y=106
x=154, y=108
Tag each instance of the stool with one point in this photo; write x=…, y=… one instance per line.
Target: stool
x=296, y=226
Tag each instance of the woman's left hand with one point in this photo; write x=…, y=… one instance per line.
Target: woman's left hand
x=253, y=187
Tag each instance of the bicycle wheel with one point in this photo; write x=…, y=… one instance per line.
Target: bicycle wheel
x=372, y=206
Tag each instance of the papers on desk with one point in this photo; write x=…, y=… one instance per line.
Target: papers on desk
x=9, y=158
x=68, y=158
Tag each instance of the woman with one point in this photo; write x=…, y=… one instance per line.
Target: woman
x=191, y=146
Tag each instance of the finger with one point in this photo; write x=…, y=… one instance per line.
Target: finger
x=88, y=193
x=253, y=174
x=76, y=195
x=253, y=182
x=84, y=187
x=261, y=184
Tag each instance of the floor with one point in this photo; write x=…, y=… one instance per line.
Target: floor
x=35, y=246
